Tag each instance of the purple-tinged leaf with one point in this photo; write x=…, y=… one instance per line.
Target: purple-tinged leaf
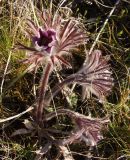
x=32, y=26
x=19, y=45
x=29, y=125
x=20, y=132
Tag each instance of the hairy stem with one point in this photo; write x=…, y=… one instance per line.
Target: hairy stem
x=74, y=115
x=60, y=112
x=42, y=91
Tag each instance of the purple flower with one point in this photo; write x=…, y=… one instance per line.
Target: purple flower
x=54, y=38
x=91, y=129
x=95, y=76
x=50, y=42
x=86, y=128
x=98, y=79
x=44, y=41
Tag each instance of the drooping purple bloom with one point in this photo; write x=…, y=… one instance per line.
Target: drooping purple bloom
x=91, y=129
x=86, y=128
x=95, y=77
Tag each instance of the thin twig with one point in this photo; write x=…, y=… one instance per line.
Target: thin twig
x=104, y=25
x=5, y=71
x=61, y=3
x=16, y=116
x=66, y=153
x=35, y=17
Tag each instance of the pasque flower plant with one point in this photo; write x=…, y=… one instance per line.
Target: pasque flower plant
x=51, y=42
x=53, y=39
